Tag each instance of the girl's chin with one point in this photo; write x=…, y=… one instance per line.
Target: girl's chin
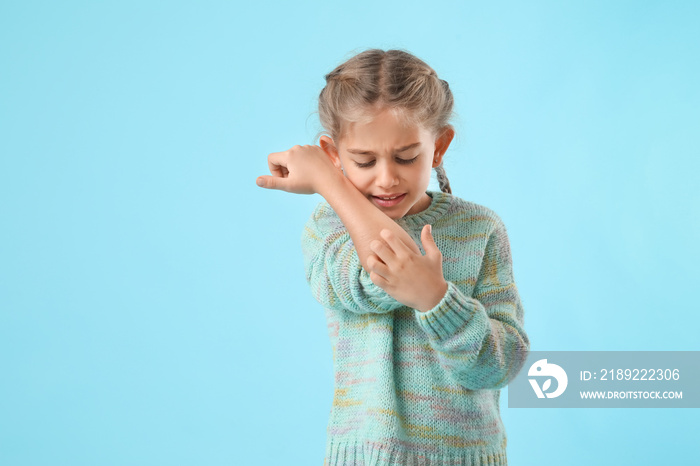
x=394, y=213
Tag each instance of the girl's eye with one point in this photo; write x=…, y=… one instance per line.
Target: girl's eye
x=398, y=160
x=406, y=162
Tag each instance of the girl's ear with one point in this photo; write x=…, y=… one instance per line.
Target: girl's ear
x=329, y=148
x=441, y=144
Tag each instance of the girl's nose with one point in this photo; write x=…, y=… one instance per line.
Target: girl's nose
x=386, y=176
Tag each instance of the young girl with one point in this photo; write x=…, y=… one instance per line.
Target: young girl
x=424, y=316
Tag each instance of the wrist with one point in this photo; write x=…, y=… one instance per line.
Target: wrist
x=435, y=299
x=332, y=185
x=340, y=193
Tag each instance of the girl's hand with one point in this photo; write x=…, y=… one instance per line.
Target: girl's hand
x=300, y=170
x=411, y=278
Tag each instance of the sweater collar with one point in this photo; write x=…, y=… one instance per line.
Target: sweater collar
x=437, y=208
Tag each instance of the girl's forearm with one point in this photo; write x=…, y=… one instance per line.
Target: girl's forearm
x=362, y=219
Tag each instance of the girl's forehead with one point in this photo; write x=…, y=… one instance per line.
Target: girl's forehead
x=385, y=130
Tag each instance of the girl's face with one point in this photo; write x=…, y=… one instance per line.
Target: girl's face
x=389, y=163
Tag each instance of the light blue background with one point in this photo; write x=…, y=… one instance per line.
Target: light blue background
x=153, y=306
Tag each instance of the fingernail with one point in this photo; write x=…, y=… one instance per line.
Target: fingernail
x=260, y=182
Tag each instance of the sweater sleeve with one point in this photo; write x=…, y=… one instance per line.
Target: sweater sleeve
x=480, y=339
x=333, y=268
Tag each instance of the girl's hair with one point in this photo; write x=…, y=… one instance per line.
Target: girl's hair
x=395, y=79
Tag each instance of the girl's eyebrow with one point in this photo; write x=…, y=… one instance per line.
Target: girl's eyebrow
x=369, y=152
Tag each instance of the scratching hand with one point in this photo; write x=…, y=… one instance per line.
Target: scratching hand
x=413, y=279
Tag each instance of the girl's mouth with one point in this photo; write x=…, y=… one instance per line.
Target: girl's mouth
x=388, y=201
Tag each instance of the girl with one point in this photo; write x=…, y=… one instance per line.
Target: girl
x=424, y=316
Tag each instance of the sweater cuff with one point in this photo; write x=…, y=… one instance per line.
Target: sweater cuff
x=363, y=290
x=451, y=314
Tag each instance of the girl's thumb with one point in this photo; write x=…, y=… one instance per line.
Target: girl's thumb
x=428, y=240
x=266, y=181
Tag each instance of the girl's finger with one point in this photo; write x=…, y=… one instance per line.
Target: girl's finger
x=277, y=162
x=400, y=248
x=382, y=250
x=378, y=280
x=376, y=265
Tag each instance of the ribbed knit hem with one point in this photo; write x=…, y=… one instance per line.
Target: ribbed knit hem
x=377, y=454
x=451, y=314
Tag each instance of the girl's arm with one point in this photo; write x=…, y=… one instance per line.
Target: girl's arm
x=338, y=280
x=363, y=219
x=308, y=169
x=480, y=339
x=333, y=270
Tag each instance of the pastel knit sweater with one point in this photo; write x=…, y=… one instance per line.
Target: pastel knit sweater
x=412, y=387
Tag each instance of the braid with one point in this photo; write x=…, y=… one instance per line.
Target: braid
x=442, y=179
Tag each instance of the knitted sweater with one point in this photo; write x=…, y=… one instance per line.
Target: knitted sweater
x=416, y=387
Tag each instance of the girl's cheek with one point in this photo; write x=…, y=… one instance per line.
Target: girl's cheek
x=363, y=179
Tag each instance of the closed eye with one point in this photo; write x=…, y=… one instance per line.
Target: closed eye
x=407, y=161
x=398, y=160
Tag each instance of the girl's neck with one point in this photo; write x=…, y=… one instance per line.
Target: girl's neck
x=421, y=205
